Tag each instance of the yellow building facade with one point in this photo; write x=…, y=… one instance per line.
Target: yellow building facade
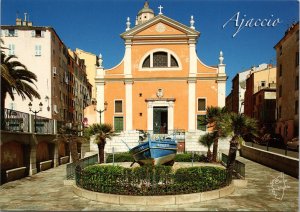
x=160, y=85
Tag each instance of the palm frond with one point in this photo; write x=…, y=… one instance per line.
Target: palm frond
x=207, y=139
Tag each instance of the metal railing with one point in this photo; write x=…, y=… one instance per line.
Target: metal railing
x=16, y=121
x=44, y=125
x=70, y=168
x=177, y=134
x=238, y=168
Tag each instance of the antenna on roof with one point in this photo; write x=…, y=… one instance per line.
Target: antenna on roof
x=25, y=16
x=17, y=14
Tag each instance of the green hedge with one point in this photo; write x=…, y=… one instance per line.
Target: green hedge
x=120, y=157
x=150, y=180
x=187, y=157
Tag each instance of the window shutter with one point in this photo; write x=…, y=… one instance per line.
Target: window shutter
x=201, y=104
x=33, y=33
x=16, y=32
x=42, y=34
x=6, y=32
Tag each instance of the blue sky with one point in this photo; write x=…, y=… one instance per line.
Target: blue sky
x=95, y=26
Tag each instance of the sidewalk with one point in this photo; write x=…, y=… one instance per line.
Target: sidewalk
x=45, y=191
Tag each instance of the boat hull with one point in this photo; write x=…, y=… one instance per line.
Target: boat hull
x=155, y=152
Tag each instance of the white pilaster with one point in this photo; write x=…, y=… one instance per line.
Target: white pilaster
x=127, y=60
x=100, y=100
x=221, y=81
x=221, y=93
x=128, y=94
x=150, y=116
x=171, y=116
x=193, y=58
x=192, y=105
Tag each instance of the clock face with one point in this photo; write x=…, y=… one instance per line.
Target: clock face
x=160, y=27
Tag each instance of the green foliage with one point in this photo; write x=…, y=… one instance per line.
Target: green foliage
x=120, y=157
x=187, y=157
x=150, y=180
x=207, y=139
x=101, y=131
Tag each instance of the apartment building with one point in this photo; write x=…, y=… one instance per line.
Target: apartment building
x=261, y=77
x=43, y=52
x=287, y=56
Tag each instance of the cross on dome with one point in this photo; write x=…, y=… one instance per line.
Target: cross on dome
x=160, y=8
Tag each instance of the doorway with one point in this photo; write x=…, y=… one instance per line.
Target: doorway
x=160, y=120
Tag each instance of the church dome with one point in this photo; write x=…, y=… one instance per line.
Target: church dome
x=146, y=9
x=145, y=13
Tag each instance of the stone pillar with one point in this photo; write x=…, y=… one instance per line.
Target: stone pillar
x=31, y=123
x=54, y=126
x=32, y=167
x=55, y=157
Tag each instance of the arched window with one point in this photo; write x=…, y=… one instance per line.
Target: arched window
x=160, y=59
x=146, y=63
x=174, y=62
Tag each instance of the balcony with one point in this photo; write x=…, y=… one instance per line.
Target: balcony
x=16, y=121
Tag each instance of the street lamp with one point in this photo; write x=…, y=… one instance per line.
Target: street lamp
x=101, y=111
x=35, y=112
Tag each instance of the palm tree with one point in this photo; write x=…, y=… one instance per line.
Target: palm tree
x=102, y=132
x=237, y=126
x=69, y=134
x=15, y=77
x=207, y=140
x=213, y=115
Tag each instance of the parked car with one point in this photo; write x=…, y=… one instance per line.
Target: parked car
x=293, y=144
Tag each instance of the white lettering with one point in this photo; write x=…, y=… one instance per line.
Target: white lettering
x=241, y=23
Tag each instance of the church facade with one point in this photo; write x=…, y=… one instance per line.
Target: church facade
x=160, y=85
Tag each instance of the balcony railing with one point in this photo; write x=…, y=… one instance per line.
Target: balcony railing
x=17, y=121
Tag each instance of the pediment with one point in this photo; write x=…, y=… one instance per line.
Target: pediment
x=160, y=25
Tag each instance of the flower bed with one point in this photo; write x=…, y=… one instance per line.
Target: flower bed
x=150, y=180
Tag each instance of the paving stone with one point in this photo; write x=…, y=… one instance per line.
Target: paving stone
x=46, y=191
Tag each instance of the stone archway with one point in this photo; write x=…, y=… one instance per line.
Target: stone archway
x=13, y=156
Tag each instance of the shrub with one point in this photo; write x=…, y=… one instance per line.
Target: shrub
x=187, y=157
x=150, y=180
x=120, y=157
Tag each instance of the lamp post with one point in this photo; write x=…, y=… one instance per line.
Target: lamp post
x=101, y=111
x=35, y=112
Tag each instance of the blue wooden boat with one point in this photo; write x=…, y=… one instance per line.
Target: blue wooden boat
x=155, y=152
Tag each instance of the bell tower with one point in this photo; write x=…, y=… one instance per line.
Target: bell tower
x=145, y=14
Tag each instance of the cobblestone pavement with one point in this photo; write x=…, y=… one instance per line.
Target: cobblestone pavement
x=46, y=191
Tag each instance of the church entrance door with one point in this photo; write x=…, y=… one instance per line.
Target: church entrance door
x=160, y=120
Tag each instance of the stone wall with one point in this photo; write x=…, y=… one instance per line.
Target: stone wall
x=281, y=163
